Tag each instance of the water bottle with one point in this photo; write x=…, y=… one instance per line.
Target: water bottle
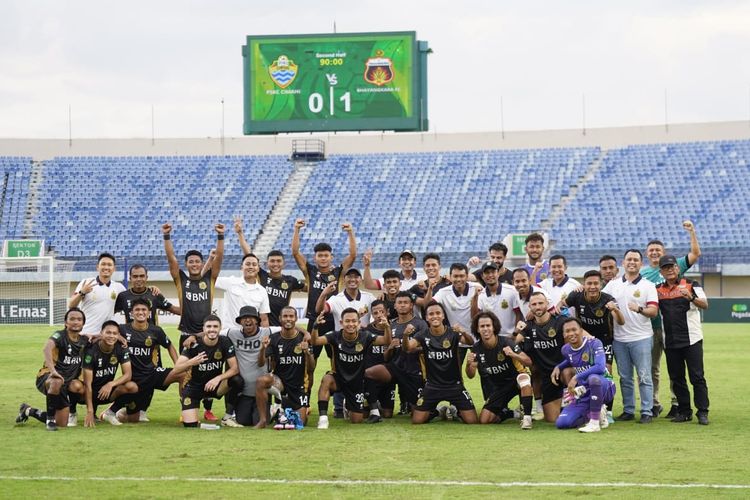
x=210, y=427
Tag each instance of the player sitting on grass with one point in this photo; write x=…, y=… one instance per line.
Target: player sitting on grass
x=347, y=374
x=583, y=368
x=292, y=366
x=58, y=377
x=204, y=361
x=100, y=362
x=498, y=360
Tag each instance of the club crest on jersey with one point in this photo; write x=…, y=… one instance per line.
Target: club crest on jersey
x=283, y=71
x=297, y=349
x=378, y=69
x=148, y=342
x=585, y=357
x=217, y=355
x=637, y=294
x=186, y=401
x=500, y=356
x=359, y=347
x=113, y=295
x=446, y=344
x=598, y=313
x=543, y=276
x=331, y=277
x=551, y=332
x=284, y=285
x=202, y=285
x=113, y=360
x=504, y=304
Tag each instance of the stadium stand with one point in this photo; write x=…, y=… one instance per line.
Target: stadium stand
x=15, y=174
x=85, y=201
x=454, y=203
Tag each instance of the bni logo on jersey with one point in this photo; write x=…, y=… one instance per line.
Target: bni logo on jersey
x=283, y=71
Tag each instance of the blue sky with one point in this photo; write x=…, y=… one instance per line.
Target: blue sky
x=111, y=61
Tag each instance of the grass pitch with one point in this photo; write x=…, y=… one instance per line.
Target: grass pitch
x=393, y=459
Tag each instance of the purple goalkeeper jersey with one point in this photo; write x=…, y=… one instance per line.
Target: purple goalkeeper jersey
x=589, y=359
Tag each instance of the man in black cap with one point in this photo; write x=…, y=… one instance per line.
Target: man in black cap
x=679, y=301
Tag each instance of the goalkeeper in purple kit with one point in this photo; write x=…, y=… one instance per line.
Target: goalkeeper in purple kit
x=583, y=369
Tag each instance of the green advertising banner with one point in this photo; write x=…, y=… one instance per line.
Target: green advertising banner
x=19, y=311
x=362, y=81
x=727, y=311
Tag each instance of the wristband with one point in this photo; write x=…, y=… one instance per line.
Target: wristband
x=167, y=237
x=220, y=237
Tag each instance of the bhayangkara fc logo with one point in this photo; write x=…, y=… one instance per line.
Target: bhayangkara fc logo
x=378, y=69
x=283, y=71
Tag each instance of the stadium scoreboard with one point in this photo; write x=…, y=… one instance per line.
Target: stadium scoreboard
x=335, y=82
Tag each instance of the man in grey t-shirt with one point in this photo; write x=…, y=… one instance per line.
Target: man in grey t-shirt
x=250, y=347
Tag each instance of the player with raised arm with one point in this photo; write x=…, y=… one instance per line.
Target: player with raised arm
x=58, y=377
x=497, y=254
x=583, y=370
x=291, y=365
x=205, y=361
x=347, y=374
x=442, y=367
x=503, y=367
x=100, y=362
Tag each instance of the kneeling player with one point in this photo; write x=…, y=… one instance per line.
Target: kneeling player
x=500, y=363
x=347, y=374
x=143, y=340
x=292, y=366
x=100, y=363
x=441, y=360
x=205, y=362
x=58, y=378
x=583, y=367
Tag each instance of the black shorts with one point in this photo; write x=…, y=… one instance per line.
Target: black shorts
x=410, y=385
x=64, y=397
x=607, y=343
x=353, y=392
x=550, y=391
x=500, y=396
x=246, y=412
x=457, y=395
x=294, y=396
x=192, y=396
x=385, y=393
x=146, y=387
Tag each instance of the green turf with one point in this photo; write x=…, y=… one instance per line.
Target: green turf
x=394, y=450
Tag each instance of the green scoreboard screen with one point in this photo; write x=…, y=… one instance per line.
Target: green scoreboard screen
x=348, y=81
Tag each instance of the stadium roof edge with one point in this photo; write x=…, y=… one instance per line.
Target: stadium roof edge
x=354, y=143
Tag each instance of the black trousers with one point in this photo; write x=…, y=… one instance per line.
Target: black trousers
x=692, y=358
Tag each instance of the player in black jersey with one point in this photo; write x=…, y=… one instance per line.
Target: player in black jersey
x=596, y=311
x=400, y=366
x=279, y=287
x=502, y=366
x=425, y=289
x=143, y=341
x=347, y=374
x=380, y=397
x=204, y=363
x=100, y=362
x=441, y=366
x=320, y=274
x=292, y=366
x=58, y=377
x=542, y=340
x=391, y=284
x=138, y=280
x=194, y=288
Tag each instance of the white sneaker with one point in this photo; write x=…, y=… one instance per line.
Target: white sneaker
x=603, y=421
x=230, y=421
x=73, y=420
x=518, y=413
x=142, y=417
x=527, y=423
x=323, y=422
x=537, y=415
x=122, y=415
x=591, y=426
x=442, y=412
x=452, y=413
x=109, y=416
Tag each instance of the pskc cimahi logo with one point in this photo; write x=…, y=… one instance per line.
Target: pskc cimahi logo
x=283, y=71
